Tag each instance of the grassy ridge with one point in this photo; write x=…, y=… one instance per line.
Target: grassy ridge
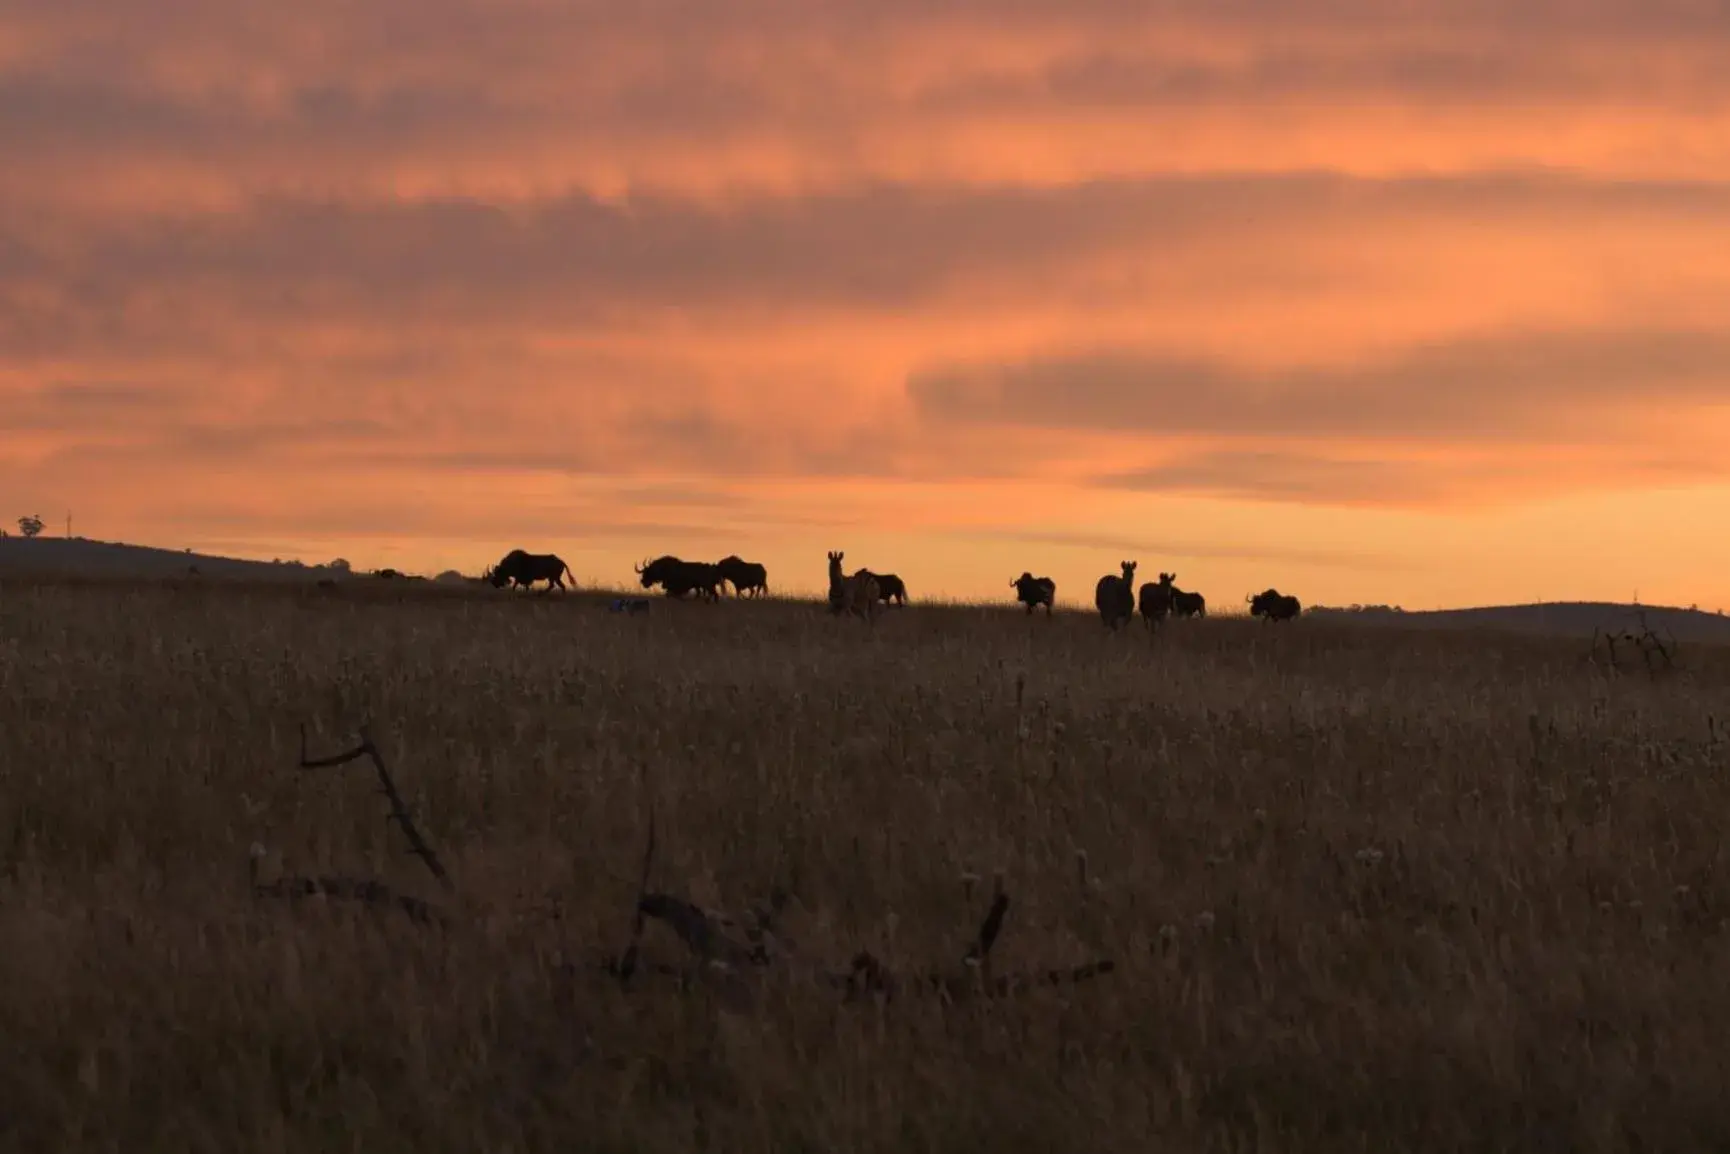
x=1423, y=891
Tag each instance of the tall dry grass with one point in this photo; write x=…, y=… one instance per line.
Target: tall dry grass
x=1364, y=891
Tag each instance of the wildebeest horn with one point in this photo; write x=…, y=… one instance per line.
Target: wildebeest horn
x=640, y=568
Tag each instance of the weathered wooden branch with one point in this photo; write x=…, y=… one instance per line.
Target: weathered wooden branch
x=363, y=890
x=979, y=953
x=868, y=977
x=706, y=936
x=399, y=811
x=626, y=964
x=762, y=931
x=720, y=945
x=703, y=934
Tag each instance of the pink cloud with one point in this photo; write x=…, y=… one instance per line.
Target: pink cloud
x=681, y=267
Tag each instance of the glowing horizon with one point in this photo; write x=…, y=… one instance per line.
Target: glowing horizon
x=1426, y=309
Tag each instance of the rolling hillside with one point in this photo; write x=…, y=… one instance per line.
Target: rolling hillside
x=1565, y=617
x=81, y=557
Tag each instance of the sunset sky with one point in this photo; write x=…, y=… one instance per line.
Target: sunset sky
x=1424, y=303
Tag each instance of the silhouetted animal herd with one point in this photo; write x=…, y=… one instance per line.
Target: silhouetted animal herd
x=865, y=594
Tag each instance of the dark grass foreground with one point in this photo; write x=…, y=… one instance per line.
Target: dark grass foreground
x=1363, y=890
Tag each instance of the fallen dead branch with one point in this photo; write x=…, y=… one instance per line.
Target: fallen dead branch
x=363, y=890
x=366, y=891
x=722, y=946
x=717, y=949
x=868, y=977
x=711, y=937
x=626, y=965
x=399, y=812
x=979, y=953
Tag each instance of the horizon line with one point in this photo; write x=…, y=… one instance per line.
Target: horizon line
x=801, y=593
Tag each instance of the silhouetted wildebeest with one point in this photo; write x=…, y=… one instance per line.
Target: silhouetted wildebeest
x=1035, y=591
x=1114, y=597
x=858, y=594
x=889, y=587
x=1273, y=605
x=1187, y=604
x=522, y=569
x=677, y=578
x=746, y=577
x=387, y=574
x=1156, y=599
x=628, y=605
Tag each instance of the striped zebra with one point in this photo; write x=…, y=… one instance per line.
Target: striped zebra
x=858, y=594
x=1114, y=597
x=1156, y=600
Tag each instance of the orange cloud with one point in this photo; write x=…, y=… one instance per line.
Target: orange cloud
x=1521, y=386
x=1009, y=275
x=520, y=101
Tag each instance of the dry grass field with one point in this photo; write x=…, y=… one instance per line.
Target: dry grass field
x=1363, y=890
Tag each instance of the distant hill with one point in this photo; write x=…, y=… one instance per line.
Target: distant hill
x=1579, y=618
x=80, y=557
